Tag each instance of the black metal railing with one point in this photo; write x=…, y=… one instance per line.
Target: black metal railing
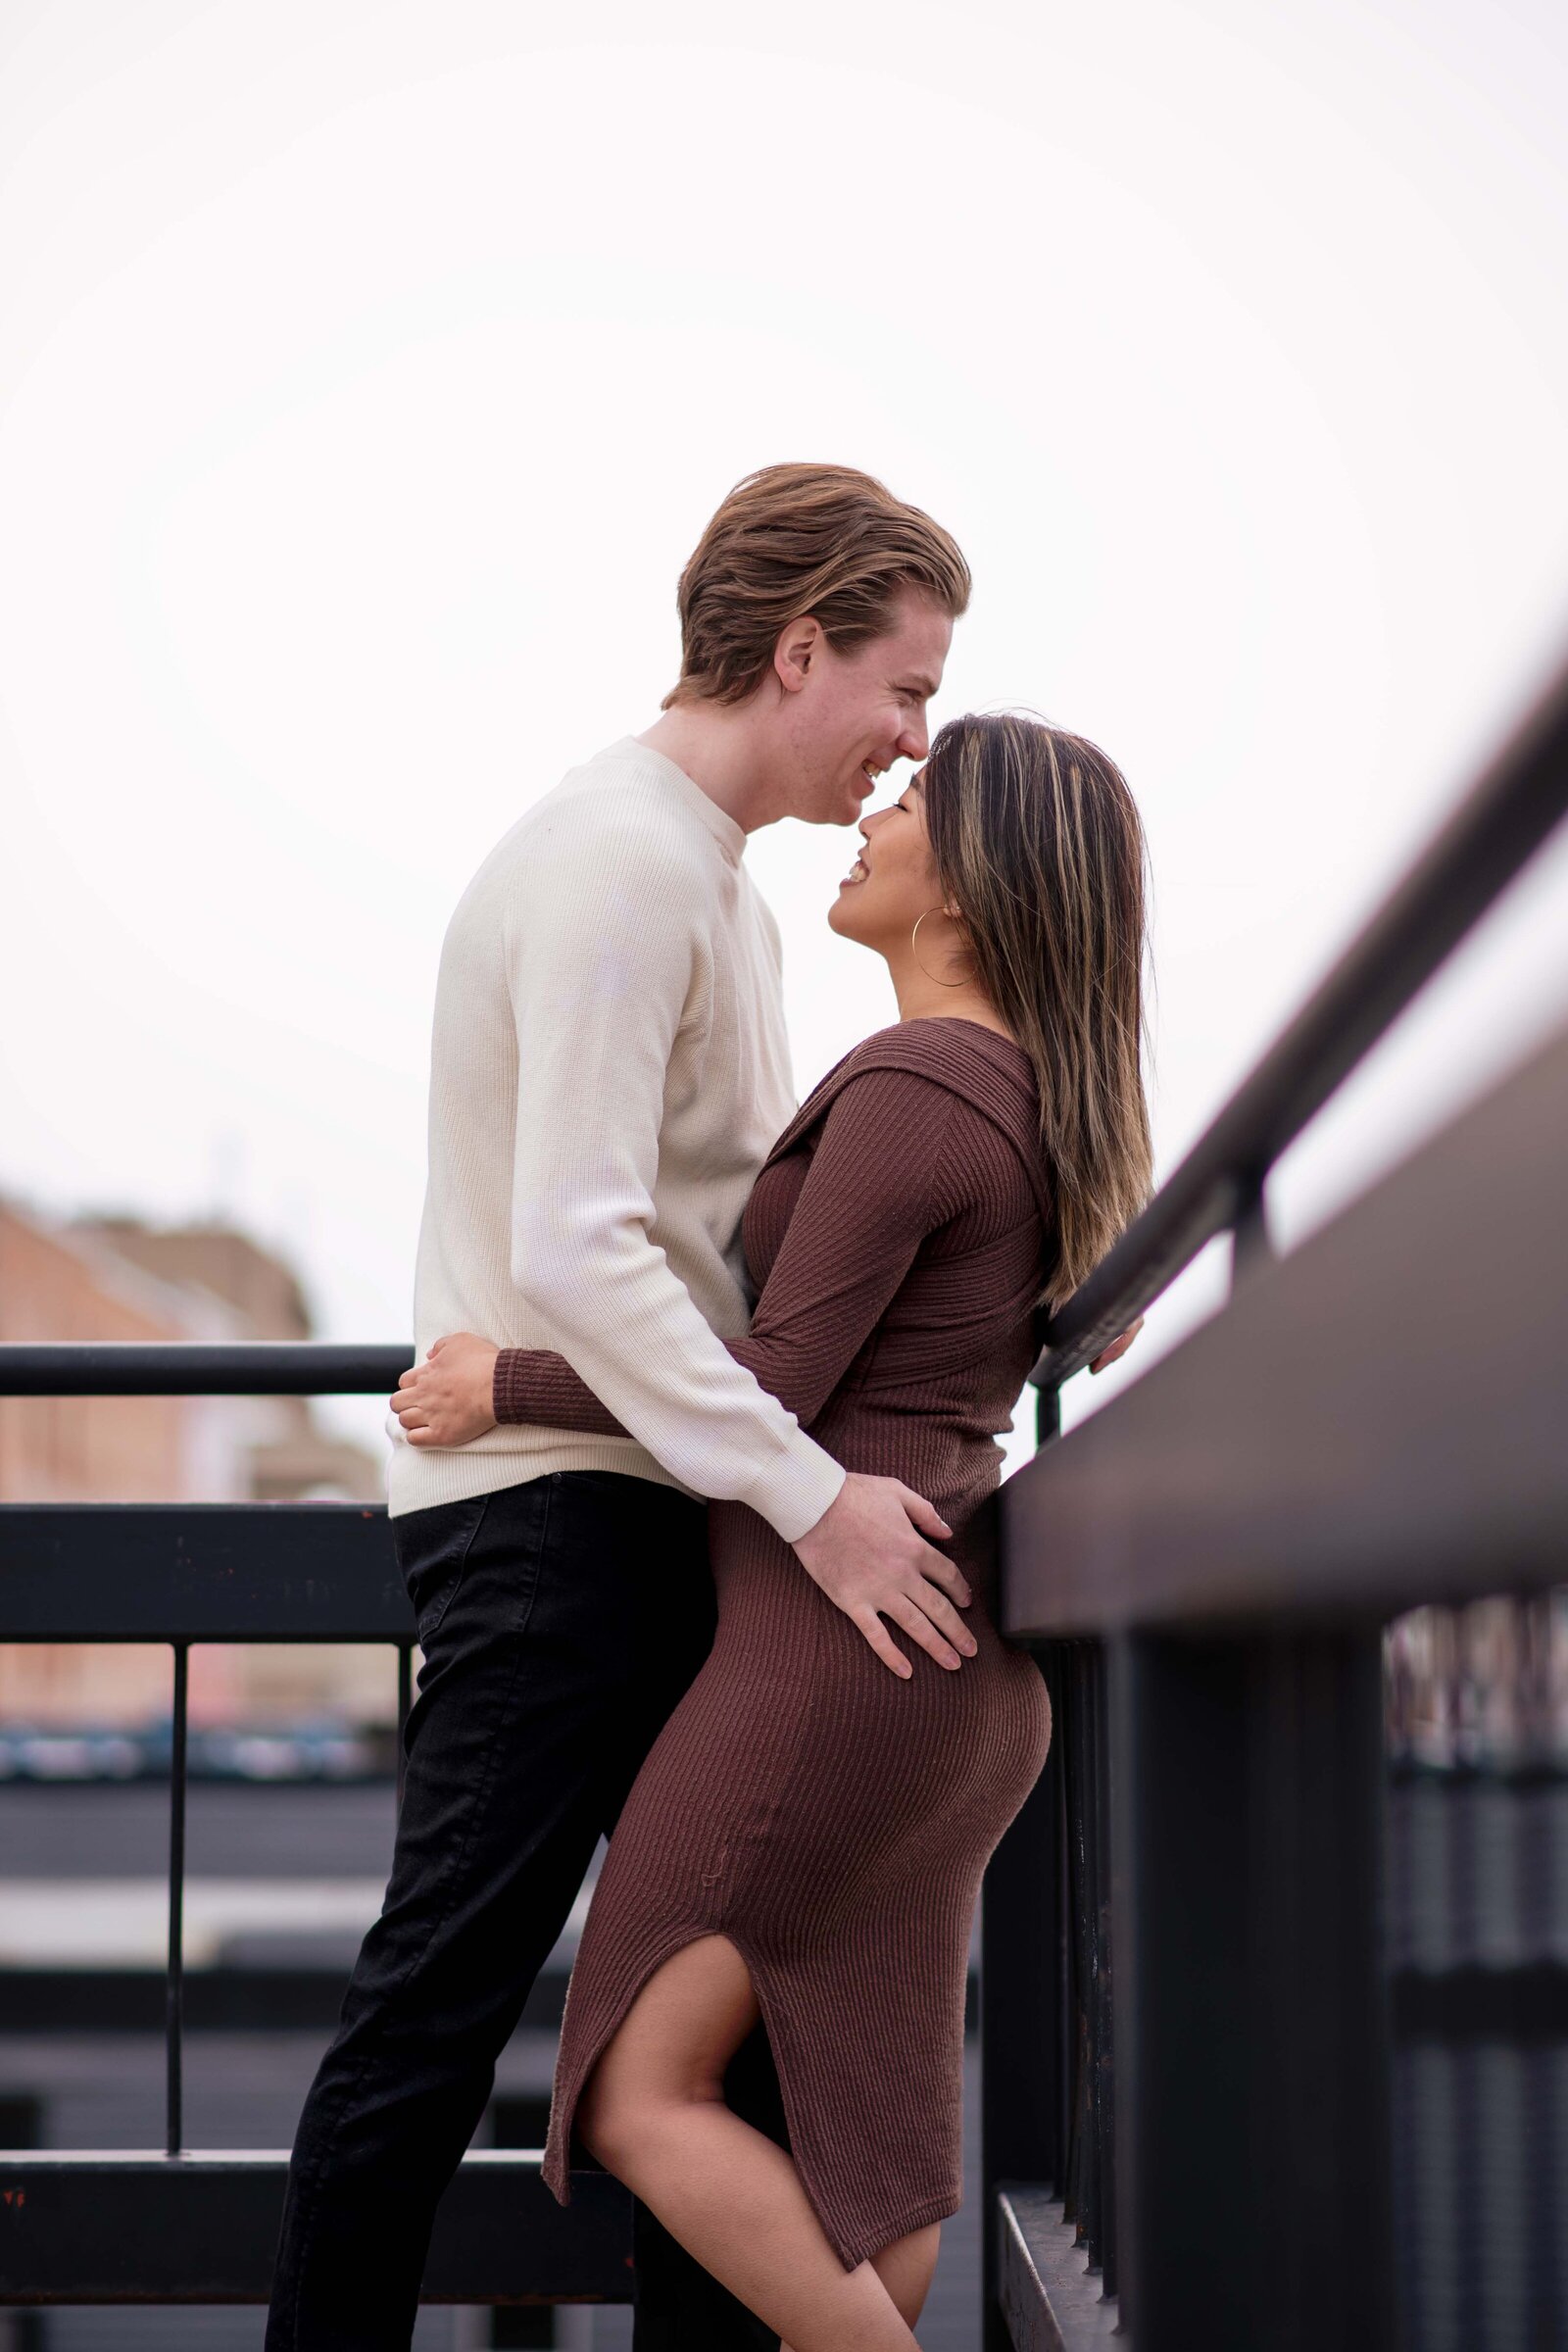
x=1213, y=1798
x=123, y=2228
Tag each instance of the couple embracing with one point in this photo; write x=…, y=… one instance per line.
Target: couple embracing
x=685, y=1480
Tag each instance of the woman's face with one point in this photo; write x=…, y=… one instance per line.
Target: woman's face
x=893, y=881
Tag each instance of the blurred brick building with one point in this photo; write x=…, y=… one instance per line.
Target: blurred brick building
x=115, y=1278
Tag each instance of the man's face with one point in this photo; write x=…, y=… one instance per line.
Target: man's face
x=855, y=713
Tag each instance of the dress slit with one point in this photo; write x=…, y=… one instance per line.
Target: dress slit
x=555, y=2170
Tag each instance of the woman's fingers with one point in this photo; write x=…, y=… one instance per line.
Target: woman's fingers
x=429, y=1421
x=419, y=1424
x=1117, y=1348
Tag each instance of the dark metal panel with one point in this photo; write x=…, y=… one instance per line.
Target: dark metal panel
x=95, y=2228
x=1491, y=836
x=1020, y=1997
x=1050, y=2300
x=1252, y=2042
x=200, y=1572
x=191, y=1368
x=1376, y=1421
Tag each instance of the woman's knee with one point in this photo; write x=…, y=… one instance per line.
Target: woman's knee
x=621, y=2117
x=669, y=2052
x=604, y=2120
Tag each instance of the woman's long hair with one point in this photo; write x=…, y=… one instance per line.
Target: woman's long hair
x=1040, y=848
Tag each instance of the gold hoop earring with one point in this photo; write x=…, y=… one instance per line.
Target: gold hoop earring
x=963, y=979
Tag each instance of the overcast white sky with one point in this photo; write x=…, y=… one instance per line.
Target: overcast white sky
x=369, y=371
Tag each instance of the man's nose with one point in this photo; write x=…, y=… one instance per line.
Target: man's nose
x=915, y=741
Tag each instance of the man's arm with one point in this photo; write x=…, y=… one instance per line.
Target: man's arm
x=600, y=961
x=858, y=1223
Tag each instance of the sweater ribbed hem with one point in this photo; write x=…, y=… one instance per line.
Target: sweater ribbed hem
x=419, y=1476
x=534, y=1387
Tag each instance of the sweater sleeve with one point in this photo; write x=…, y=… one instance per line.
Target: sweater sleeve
x=601, y=959
x=870, y=1197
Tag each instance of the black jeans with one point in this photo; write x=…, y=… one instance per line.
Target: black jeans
x=561, y=1621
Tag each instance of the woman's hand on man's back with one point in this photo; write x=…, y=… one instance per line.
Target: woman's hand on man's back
x=449, y=1399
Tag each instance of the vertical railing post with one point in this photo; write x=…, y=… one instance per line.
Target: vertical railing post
x=1251, y=2032
x=1020, y=2001
x=1104, y=2038
x=174, y=1983
x=1020, y=1959
x=1252, y=1245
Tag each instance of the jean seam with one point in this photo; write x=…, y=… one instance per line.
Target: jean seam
x=307, y=2239
x=461, y=1571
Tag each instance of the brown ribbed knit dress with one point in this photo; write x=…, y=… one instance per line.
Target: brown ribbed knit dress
x=829, y=1817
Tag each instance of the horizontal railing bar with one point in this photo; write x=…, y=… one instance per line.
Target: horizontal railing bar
x=195, y=1368
x=1050, y=2300
x=1492, y=835
x=1374, y=1422
x=91, y=2225
x=81, y=2004
x=1466, y=2005
x=200, y=1572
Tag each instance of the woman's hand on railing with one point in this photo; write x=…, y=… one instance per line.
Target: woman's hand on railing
x=1106, y=1355
x=449, y=1399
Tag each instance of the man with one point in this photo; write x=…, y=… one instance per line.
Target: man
x=608, y=1068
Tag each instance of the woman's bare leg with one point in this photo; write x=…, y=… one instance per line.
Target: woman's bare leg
x=905, y=2269
x=653, y=2112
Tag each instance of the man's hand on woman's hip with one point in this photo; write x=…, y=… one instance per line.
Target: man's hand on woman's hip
x=866, y=1551
x=867, y=1555
x=449, y=1399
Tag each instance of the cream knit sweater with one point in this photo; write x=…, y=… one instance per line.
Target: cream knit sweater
x=608, y=1068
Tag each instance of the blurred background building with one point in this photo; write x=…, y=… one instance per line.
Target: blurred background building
x=116, y=1278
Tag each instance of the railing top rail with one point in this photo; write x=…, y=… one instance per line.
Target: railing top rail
x=196, y=1368
x=1516, y=803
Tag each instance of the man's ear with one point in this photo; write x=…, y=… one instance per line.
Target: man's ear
x=799, y=646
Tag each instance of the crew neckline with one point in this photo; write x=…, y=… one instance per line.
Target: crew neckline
x=730, y=837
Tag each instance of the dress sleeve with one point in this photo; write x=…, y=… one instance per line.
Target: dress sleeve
x=870, y=1197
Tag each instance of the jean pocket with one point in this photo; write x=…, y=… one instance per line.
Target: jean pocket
x=433, y=1556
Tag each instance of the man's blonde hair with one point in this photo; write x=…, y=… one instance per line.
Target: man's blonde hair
x=803, y=539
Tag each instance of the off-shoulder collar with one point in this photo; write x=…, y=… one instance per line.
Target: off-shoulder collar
x=991, y=1072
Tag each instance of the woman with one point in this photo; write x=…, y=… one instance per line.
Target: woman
x=806, y=1839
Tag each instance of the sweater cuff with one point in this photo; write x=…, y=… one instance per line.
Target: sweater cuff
x=534, y=1385
x=506, y=1400
x=794, y=1491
